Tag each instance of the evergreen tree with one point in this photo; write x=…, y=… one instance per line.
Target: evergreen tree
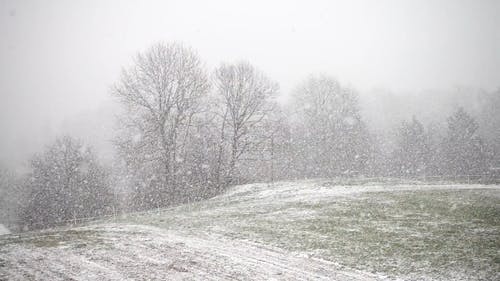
x=464, y=152
x=411, y=157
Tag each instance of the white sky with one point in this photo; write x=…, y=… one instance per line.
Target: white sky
x=58, y=58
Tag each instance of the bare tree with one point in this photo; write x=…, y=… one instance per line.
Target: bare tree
x=244, y=102
x=330, y=136
x=161, y=94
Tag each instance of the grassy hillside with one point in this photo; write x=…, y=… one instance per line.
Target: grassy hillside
x=289, y=230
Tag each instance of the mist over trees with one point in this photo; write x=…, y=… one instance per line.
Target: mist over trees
x=187, y=133
x=330, y=138
x=464, y=152
x=231, y=130
x=12, y=195
x=489, y=117
x=412, y=156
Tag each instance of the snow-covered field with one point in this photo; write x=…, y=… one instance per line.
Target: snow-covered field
x=285, y=231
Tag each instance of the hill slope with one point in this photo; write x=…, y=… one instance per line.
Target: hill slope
x=289, y=230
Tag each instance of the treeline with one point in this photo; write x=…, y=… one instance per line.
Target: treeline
x=185, y=134
x=456, y=151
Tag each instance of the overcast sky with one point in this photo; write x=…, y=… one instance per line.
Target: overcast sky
x=59, y=58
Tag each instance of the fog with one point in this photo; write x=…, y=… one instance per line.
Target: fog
x=58, y=59
x=250, y=140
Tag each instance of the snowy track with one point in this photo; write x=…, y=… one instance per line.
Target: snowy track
x=134, y=252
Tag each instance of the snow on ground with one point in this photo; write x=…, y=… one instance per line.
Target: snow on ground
x=139, y=252
x=302, y=230
x=317, y=190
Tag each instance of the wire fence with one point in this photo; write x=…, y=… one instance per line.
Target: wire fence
x=117, y=213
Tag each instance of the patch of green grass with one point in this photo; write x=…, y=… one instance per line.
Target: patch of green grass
x=48, y=239
x=398, y=233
